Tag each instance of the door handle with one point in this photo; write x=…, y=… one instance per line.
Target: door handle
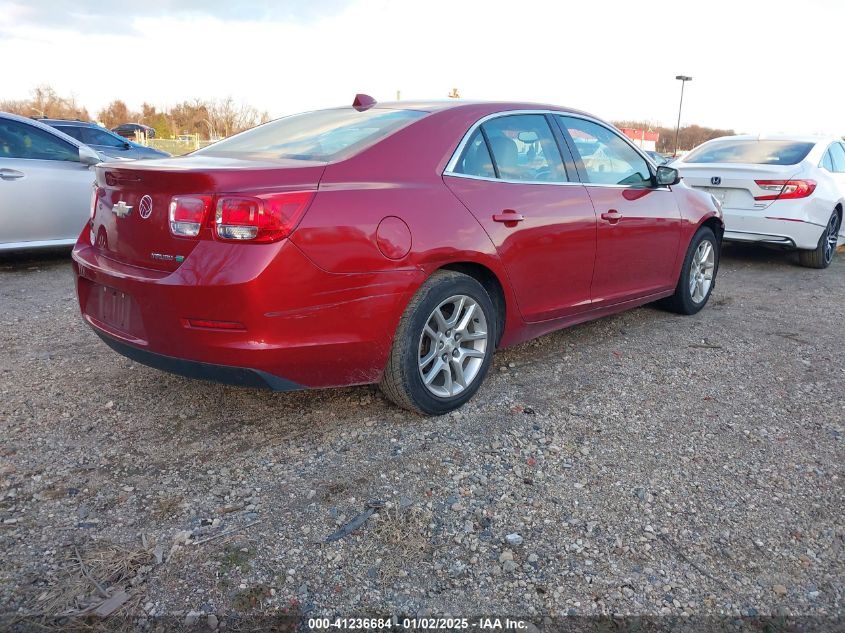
x=612, y=216
x=507, y=216
x=10, y=174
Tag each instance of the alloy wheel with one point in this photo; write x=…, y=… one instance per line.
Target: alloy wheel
x=453, y=345
x=701, y=271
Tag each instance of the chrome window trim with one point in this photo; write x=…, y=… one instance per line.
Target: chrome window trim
x=453, y=161
x=515, y=182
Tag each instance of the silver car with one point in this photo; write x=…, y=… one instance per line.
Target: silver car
x=46, y=182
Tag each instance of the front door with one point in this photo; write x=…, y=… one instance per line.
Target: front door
x=511, y=176
x=639, y=224
x=45, y=192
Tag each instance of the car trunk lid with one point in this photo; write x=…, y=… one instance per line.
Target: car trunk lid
x=735, y=185
x=131, y=222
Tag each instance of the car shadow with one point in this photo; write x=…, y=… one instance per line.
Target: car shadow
x=741, y=253
x=18, y=260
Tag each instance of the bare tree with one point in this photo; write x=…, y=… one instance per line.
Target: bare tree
x=116, y=113
x=44, y=101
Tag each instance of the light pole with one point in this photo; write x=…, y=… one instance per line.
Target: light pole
x=683, y=79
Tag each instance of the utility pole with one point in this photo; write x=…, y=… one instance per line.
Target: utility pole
x=683, y=79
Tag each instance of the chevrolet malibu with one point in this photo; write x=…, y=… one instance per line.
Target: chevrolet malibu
x=398, y=244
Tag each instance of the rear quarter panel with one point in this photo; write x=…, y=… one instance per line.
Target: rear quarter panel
x=401, y=177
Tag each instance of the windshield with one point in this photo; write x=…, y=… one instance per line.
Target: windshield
x=322, y=135
x=750, y=152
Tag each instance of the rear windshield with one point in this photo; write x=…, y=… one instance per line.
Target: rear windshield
x=322, y=135
x=750, y=151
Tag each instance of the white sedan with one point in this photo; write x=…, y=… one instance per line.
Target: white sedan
x=782, y=190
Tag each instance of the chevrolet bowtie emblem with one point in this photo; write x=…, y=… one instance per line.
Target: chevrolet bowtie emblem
x=121, y=209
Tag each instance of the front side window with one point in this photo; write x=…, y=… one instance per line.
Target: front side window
x=93, y=136
x=475, y=159
x=837, y=156
x=322, y=135
x=524, y=148
x=607, y=159
x=19, y=140
x=750, y=151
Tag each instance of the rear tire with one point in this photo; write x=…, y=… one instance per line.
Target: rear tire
x=698, y=274
x=822, y=255
x=443, y=347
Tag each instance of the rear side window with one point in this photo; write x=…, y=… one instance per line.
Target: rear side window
x=827, y=161
x=93, y=136
x=322, y=135
x=752, y=151
x=75, y=132
x=475, y=160
x=837, y=156
x=19, y=140
x=524, y=148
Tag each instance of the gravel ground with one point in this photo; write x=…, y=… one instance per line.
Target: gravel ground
x=643, y=464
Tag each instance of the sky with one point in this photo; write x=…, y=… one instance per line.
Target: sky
x=757, y=67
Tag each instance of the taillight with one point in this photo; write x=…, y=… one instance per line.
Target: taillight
x=95, y=194
x=785, y=189
x=266, y=218
x=187, y=214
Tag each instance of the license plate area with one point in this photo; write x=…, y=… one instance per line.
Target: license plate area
x=114, y=308
x=731, y=197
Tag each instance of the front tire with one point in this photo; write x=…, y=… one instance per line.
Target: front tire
x=443, y=347
x=822, y=255
x=698, y=274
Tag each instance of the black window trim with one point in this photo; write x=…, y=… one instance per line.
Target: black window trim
x=577, y=178
x=489, y=151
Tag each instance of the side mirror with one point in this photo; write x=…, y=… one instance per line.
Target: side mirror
x=667, y=175
x=88, y=156
x=126, y=145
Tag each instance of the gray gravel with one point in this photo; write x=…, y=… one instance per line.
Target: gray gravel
x=642, y=464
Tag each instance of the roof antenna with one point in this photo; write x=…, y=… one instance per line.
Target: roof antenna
x=363, y=102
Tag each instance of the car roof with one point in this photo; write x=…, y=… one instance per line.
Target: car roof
x=77, y=122
x=485, y=107
x=42, y=126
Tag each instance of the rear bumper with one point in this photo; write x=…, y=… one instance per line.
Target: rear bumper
x=240, y=376
x=300, y=325
x=773, y=225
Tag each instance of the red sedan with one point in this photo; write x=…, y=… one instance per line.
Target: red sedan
x=398, y=244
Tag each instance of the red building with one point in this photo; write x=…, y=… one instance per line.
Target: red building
x=642, y=138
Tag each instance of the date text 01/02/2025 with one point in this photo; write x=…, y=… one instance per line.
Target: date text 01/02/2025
x=490, y=624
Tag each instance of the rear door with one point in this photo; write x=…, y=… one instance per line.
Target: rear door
x=511, y=176
x=837, y=159
x=45, y=192
x=639, y=224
